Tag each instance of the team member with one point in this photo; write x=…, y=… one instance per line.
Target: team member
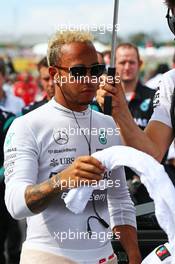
x=159, y=133
x=48, y=156
x=139, y=98
x=140, y=103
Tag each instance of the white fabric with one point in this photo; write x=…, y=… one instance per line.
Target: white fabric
x=171, y=152
x=85, y=256
x=36, y=148
x=153, y=176
x=153, y=83
x=162, y=101
x=77, y=198
x=8, y=88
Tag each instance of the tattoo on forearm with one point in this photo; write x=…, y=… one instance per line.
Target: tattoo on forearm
x=39, y=196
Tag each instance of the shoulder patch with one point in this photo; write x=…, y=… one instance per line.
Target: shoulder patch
x=162, y=252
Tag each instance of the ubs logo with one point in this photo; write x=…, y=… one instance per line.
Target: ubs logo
x=60, y=137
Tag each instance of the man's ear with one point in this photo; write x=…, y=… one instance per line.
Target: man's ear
x=54, y=74
x=140, y=63
x=52, y=71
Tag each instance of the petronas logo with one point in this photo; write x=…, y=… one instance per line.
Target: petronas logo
x=102, y=137
x=9, y=139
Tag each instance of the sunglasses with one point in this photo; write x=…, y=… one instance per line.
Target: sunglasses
x=171, y=21
x=81, y=71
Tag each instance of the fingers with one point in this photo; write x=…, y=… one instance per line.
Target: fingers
x=86, y=182
x=107, y=84
x=91, y=161
x=77, y=182
x=116, y=92
x=107, y=89
x=87, y=175
x=83, y=168
x=89, y=168
x=101, y=93
x=100, y=99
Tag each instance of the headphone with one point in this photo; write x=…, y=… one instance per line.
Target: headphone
x=56, y=81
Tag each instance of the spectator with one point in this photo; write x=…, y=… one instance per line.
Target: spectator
x=47, y=86
x=25, y=88
x=8, y=102
x=107, y=57
x=10, y=234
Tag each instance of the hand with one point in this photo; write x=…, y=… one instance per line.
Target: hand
x=119, y=103
x=85, y=170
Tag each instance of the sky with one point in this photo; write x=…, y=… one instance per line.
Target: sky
x=45, y=16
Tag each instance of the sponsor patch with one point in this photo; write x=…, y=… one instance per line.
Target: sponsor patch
x=102, y=136
x=60, y=137
x=145, y=105
x=162, y=252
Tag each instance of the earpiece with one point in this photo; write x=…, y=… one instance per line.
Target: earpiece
x=56, y=80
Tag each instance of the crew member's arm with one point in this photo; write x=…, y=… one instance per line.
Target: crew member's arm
x=156, y=138
x=128, y=239
x=123, y=215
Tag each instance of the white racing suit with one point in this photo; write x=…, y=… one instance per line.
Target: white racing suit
x=45, y=142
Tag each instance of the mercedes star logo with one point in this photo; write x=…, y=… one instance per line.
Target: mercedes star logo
x=60, y=137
